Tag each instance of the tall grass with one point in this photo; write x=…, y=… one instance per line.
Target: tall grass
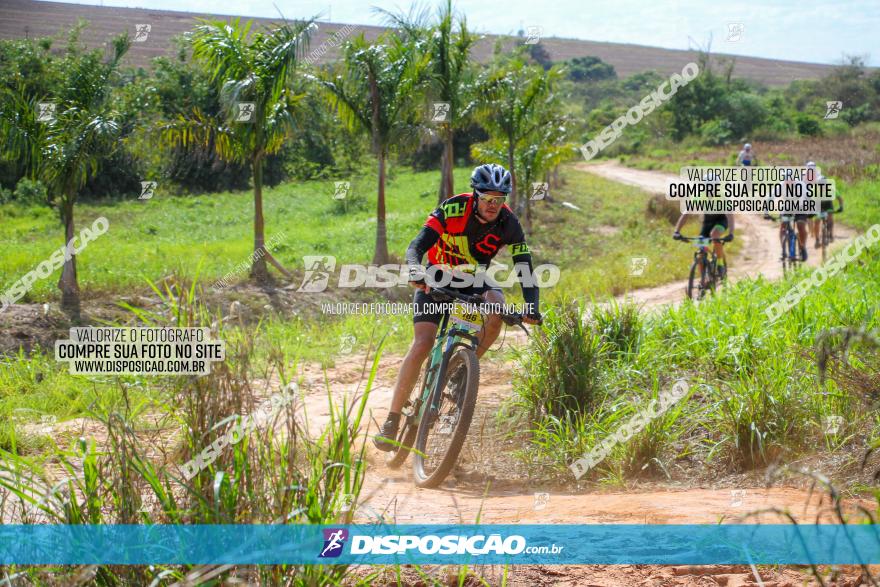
x=759, y=396
x=276, y=473
x=561, y=368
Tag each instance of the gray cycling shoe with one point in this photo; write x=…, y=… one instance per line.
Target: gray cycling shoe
x=387, y=432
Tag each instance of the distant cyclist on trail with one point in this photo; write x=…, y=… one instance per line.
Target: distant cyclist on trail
x=714, y=227
x=800, y=221
x=746, y=156
x=467, y=229
x=828, y=207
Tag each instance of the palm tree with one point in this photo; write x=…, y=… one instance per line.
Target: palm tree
x=68, y=151
x=252, y=69
x=23, y=135
x=450, y=74
x=535, y=156
x=510, y=95
x=538, y=154
x=376, y=93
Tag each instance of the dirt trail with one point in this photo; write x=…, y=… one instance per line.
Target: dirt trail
x=500, y=496
x=760, y=251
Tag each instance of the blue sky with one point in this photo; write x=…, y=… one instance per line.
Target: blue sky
x=819, y=32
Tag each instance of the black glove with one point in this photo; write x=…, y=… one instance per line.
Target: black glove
x=728, y=238
x=677, y=236
x=839, y=209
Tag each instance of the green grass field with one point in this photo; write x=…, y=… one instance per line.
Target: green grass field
x=149, y=240
x=167, y=234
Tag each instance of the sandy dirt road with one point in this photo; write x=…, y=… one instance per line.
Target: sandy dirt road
x=759, y=254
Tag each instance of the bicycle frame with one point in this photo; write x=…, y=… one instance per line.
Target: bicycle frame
x=438, y=360
x=790, y=244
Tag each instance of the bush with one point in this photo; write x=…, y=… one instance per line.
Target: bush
x=590, y=69
x=661, y=208
x=808, y=126
x=619, y=326
x=30, y=192
x=561, y=371
x=717, y=132
x=745, y=112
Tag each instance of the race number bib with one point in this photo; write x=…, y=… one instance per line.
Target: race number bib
x=466, y=316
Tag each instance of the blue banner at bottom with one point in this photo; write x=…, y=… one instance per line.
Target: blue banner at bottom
x=440, y=544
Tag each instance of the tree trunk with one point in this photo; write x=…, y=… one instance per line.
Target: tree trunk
x=258, y=260
x=447, y=164
x=381, y=255
x=70, y=301
x=513, y=194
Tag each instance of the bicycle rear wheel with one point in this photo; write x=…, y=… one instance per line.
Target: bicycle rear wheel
x=443, y=429
x=711, y=278
x=826, y=238
x=693, y=287
x=792, y=247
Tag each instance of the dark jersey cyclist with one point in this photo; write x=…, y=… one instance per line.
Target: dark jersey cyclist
x=714, y=226
x=826, y=207
x=466, y=230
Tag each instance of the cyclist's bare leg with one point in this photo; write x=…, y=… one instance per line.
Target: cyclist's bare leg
x=782, y=235
x=830, y=226
x=719, y=247
x=817, y=230
x=802, y=233
x=492, y=323
x=423, y=340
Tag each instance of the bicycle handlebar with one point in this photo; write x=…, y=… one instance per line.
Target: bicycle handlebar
x=700, y=238
x=509, y=318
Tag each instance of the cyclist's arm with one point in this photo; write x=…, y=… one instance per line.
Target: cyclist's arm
x=434, y=227
x=426, y=239
x=739, y=158
x=730, y=223
x=678, y=225
x=522, y=264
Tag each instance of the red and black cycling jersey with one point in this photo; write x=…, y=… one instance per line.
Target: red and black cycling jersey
x=454, y=236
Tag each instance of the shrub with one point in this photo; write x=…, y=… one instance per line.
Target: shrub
x=807, y=125
x=30, y=192
x=619, y=326
x=716, y=132
x=660, y=208
x=561, y=371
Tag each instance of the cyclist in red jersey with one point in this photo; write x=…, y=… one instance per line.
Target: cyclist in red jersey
x=466, y=230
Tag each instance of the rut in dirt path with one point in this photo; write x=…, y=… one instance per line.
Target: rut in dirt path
x=760, y=251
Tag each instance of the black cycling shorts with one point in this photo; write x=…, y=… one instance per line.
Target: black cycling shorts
x=421, y=299
x=710, y=222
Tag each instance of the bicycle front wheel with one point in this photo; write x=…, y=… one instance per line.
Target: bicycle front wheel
x=405, y=438
x=444, y=427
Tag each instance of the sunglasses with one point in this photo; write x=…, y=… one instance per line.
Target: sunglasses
x=491, y=199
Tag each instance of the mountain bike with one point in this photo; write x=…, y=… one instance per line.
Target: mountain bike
x=790, y=257
x=437, y=416
x=706, y=263
x=825, y=234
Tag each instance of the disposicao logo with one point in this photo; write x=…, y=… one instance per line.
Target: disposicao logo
x=334, y=542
